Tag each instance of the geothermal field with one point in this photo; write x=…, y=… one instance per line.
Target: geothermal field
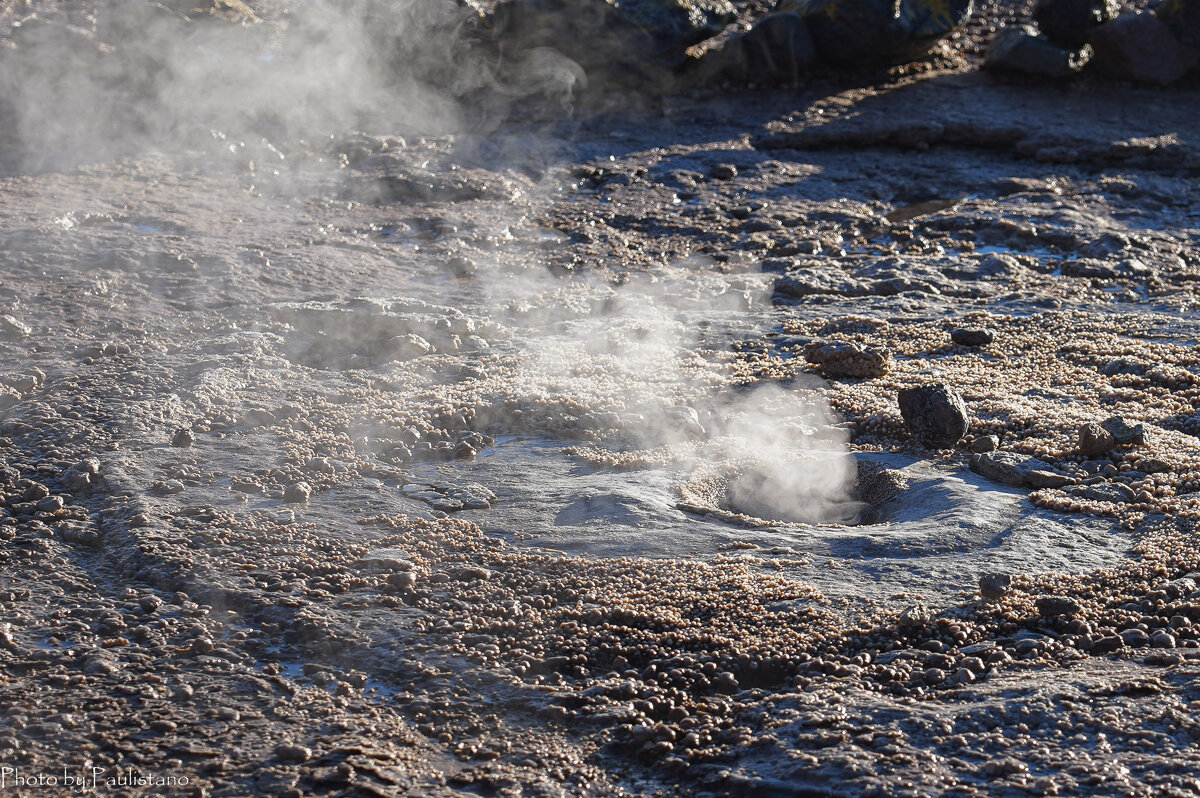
x=396, y=402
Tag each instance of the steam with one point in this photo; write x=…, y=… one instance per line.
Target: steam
x=793, y=462
x=634, y=358
x=136, y=76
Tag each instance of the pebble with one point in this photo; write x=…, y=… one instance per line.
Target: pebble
x=1040, y=478
x=50, y=504
x=934, y=414
x=1153, y=466
x=11, y=329
x=402, y=580
x=297, y=493
x=1050, y=606
x=993, y=587
x=985, y=443
x=973, y=336
x=1094, y=439
x=258, y=418
x=1104, y=492
x=1163, y=640
x=1135, y=638
x=289, y=752
x=1124, y=431
x=843, y=359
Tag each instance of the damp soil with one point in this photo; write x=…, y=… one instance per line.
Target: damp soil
x=455, y=509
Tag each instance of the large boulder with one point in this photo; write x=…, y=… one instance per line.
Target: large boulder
x=861, y=33
x=1068, y=22
x=934, y=414
x=620, y=39
x=1021, y=49
x=778, y=50
x=1182, y=17
x=1141, y=48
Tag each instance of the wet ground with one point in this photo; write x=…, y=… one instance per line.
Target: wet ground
x=365, y=464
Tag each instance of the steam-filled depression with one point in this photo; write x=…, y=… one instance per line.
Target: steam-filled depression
x=620, y=423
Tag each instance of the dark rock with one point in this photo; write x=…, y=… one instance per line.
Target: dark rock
x=842, y=359
x=972, y=336
x=1115, y=492
x=1182, y=18
x=1140, y=48
x=860, y=33
x=1124, y=431
x=778, y=50
x=913, y=617
x=293, y=753
x=1107, y=645
x=726, y=682
x=473, y=573
x=1090, y=268
x=934, y=414
x=1039, y=478
x=818, y=281
x=1068, y=22
x=50, y=504
x=1123, y=366
x=993, y=587
x=984, y=444
x=1021, y=49
x=1163, y=639
x=1009, y=468
x=1050, y=606
x=1095, y=439
x=1154, y=466
x=724, y=171
x=625, y=41
x=1135, y=638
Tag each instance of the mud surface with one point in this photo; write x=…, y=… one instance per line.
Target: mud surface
x=369, y=464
